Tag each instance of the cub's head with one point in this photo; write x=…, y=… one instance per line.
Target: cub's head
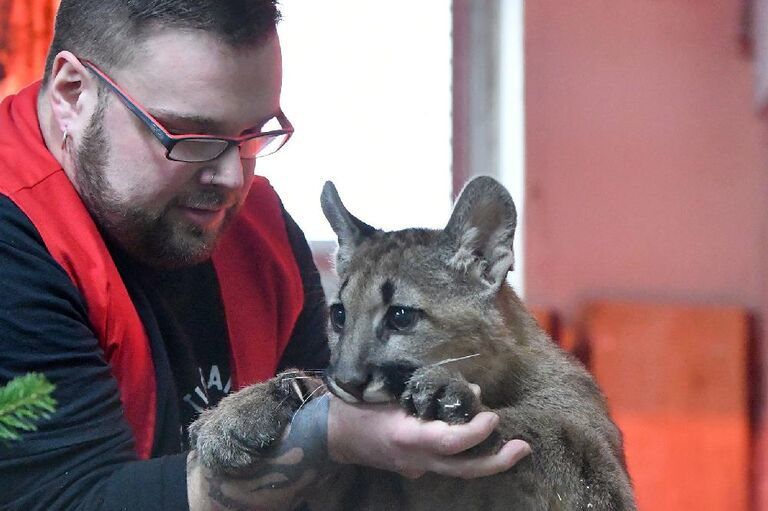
x=417, y=297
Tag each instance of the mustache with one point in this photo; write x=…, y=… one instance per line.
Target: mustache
x=205, y=199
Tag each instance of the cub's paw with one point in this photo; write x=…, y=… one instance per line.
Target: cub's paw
x=246, y=424
x=435, y=393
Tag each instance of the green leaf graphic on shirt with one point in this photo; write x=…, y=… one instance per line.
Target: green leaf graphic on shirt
x=23, y=402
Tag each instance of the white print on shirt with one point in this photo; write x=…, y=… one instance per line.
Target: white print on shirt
x=200, y=399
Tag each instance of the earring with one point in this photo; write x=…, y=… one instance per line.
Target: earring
x=64, y=139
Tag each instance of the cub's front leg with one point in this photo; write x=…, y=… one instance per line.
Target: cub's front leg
x=245, y=425
x=436, y=393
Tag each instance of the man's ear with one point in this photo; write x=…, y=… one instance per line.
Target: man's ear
x=350, y=230
x=73, y=93
x=481, y=229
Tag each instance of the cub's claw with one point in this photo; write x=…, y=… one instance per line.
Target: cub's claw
x=435, y=393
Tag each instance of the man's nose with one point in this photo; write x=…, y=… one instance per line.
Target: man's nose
x=229, y=170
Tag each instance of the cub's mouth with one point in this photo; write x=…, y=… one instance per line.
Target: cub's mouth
x=380, y=384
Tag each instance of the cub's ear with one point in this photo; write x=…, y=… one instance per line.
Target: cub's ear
x=482, y=227
x=350, y=230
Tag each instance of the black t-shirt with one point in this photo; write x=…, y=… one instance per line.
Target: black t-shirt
x=82, y=457
x=188, y=315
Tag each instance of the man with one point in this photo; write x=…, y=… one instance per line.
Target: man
x=147, y=272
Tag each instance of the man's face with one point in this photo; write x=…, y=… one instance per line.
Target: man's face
x=169, y=213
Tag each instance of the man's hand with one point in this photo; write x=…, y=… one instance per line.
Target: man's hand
x=386, y=437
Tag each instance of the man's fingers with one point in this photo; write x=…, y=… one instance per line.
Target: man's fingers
x=388, y=438
x=458, y=438
x=471, y=467
x=513, y=451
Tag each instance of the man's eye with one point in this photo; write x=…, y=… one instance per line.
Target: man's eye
x=338, y=316
x=402, y=318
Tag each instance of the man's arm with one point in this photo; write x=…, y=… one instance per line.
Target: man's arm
x=82, y=457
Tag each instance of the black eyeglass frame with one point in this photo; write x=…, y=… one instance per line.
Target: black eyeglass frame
x=169, y=140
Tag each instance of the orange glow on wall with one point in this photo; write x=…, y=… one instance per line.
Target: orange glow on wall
x=26, y=29
x=677, y=383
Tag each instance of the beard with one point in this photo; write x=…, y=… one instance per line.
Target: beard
x=151, y=235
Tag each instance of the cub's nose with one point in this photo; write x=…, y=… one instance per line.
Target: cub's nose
x=349, y=389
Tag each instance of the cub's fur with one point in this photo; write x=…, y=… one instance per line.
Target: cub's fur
x=419, y=314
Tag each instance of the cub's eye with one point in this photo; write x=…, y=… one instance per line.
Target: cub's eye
x=338, y=316
x=402, y=318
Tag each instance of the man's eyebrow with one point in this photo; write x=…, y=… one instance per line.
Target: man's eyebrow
x=170, y=119
x=199, y=123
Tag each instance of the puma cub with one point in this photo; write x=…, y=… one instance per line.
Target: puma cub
x=420, y=314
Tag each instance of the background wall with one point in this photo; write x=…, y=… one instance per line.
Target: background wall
x=647, y=167
x=26, y=29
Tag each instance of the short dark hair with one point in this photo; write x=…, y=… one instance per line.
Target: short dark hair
x=105, y=31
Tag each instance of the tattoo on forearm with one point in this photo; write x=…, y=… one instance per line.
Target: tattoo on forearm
x=305, y=448
x=221, y=500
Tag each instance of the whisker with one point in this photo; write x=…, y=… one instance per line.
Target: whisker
x=278, y=405
x=294, y=378
x=320, y=387
x=304, y=371
x=451, y=360
x=291, y=372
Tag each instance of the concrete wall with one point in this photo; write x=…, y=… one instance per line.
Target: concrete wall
x=647, y=166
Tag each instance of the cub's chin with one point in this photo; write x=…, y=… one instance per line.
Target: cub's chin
x=385, y=385
x=374, y=392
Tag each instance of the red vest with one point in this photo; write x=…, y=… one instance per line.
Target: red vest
x=259, y=279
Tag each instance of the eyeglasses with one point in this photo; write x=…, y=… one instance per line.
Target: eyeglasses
x=201, y=148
